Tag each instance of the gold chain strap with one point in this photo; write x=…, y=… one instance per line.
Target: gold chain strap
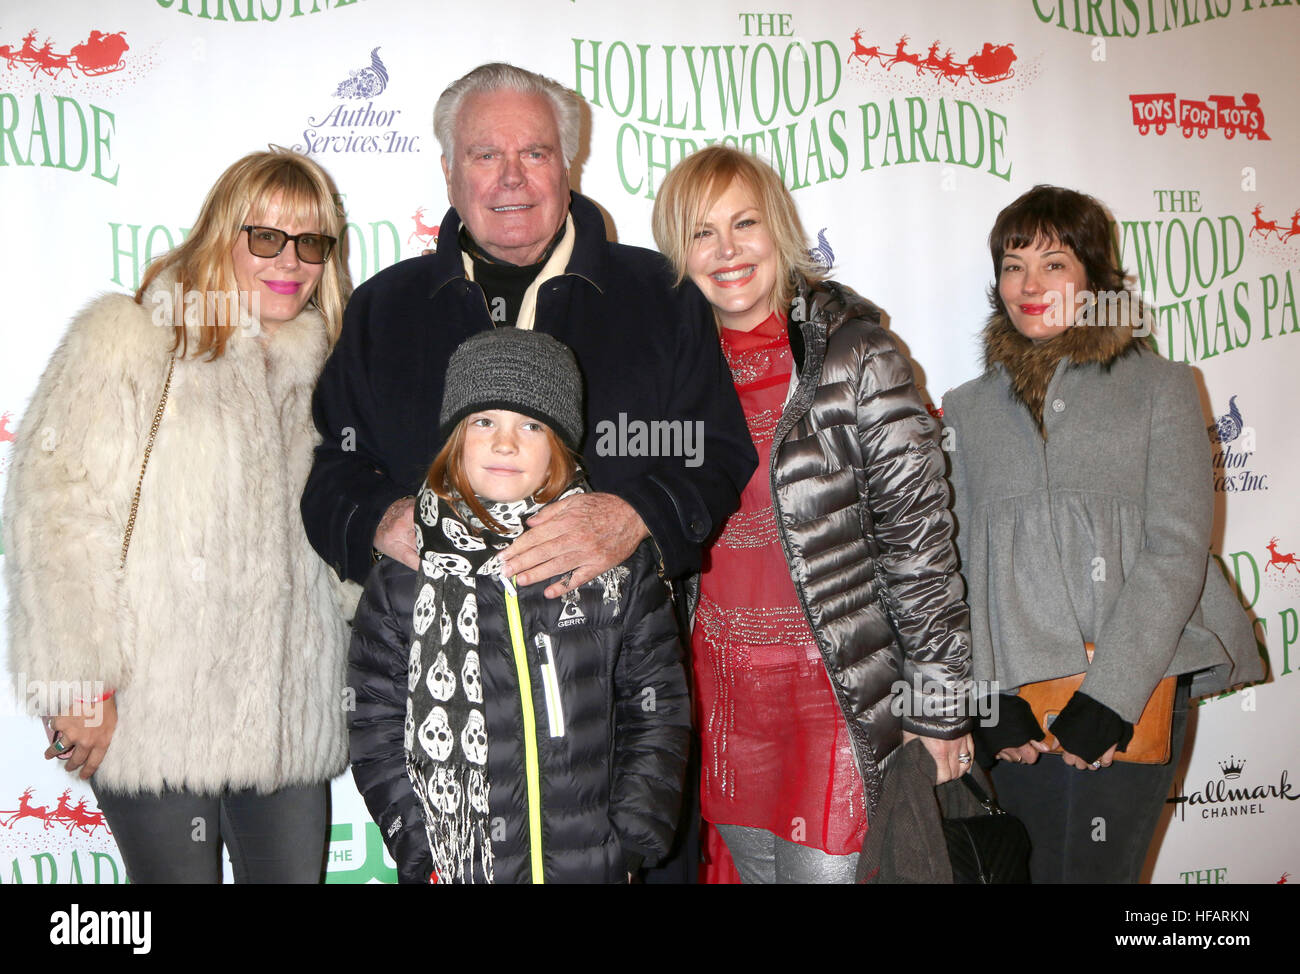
x=148, y=448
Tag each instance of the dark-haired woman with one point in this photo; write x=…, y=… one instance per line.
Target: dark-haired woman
x=1084, y=507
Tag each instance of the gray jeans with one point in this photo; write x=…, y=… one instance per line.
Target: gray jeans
x=176, y=836
x=764, y=857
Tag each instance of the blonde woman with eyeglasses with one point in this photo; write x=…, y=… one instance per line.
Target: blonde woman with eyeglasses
x=159, y=577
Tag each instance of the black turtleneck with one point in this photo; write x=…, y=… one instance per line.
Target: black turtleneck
x=504, y=283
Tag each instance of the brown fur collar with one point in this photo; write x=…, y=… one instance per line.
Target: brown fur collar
x=1030, y=366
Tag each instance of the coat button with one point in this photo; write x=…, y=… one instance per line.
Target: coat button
x=697, y=528
x=1058, y=405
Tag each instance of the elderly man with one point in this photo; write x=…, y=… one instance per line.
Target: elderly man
x=518, y=249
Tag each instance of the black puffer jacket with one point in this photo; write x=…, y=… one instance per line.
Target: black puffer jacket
x=862, y=510
x=610, y=785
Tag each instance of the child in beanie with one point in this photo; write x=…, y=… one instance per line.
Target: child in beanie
x=500, y=736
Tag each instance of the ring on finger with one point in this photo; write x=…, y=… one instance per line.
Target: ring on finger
x=60, y=745
x=1095, y=765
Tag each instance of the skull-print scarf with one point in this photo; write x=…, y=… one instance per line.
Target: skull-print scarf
x=446, y=720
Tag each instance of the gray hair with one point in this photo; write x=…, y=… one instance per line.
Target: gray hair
x=500, y=76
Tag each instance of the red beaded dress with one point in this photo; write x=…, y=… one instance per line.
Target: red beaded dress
x=776, y=750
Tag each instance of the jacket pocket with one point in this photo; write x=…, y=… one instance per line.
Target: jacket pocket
x=554, y=706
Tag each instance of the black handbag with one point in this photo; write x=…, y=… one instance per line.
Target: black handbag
x=953, y=833
x=985, y=844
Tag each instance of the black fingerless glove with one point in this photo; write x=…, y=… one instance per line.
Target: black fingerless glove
x=1012, y=724
x=1087, y=728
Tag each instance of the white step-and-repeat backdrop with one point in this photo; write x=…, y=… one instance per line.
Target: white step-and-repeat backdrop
x=902, y=129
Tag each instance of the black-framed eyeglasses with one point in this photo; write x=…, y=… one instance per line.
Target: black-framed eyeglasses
x=313, y=248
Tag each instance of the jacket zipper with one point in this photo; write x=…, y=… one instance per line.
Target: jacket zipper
x=532, y=770
x=783, y=430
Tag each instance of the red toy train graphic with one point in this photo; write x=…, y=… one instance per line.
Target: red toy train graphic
x=1160, y=111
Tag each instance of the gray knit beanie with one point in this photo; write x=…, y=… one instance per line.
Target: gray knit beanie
x=521, y=370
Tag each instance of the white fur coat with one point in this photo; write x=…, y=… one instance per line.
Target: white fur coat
x=222, y=637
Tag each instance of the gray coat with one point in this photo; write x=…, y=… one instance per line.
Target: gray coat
x=1096, y=530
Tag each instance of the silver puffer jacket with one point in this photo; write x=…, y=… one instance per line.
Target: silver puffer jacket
x=857, y=480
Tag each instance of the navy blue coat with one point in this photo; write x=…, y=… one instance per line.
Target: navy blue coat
x=647, y=350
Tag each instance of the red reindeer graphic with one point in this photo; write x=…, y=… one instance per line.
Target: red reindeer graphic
x=900, y=54
x=86, y=821
x=951, y=70
x=62, y=811
x=932, y=60
x=25, y=810
x=427, y=235
x=1282, y=560
x=6, y=434
x=1285, y=235
x=49, y=62
x=1262, y=227
x=75, y=816
x=863, y=54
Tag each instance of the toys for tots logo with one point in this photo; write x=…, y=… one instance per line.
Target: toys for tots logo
x=356, y=122
x=1219, y=113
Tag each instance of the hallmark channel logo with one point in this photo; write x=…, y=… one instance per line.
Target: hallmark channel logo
x=1226, y=797
x=348, y=127
x=1234, y=447
x=1163, y=110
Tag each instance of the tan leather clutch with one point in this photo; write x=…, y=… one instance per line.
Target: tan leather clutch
x=1151, y=734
